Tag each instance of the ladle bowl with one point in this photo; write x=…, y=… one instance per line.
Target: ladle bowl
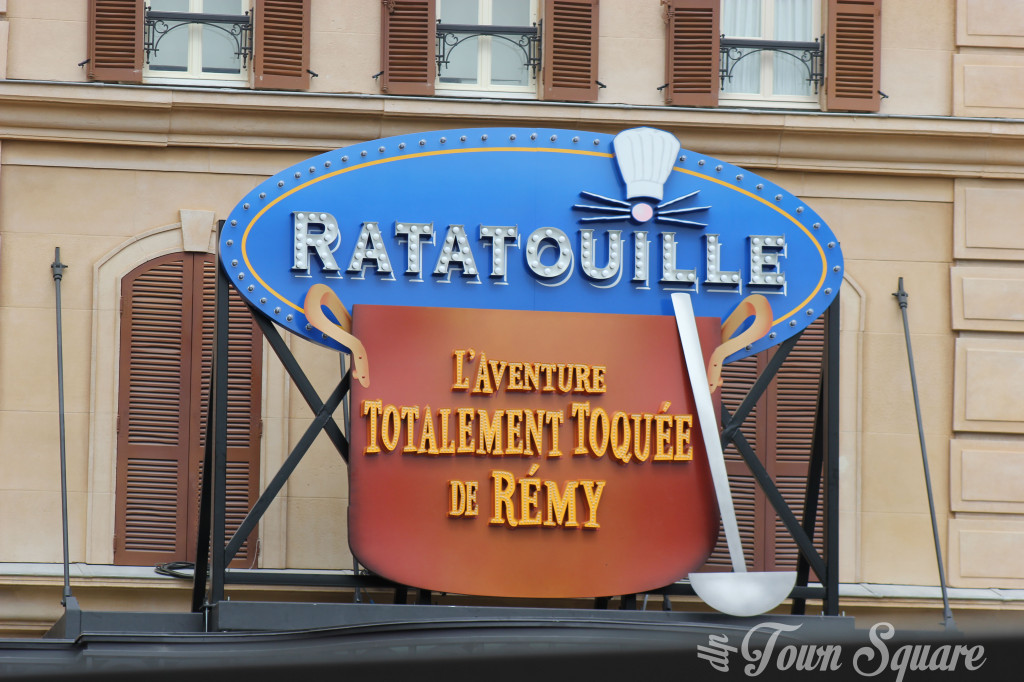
x=743, y=594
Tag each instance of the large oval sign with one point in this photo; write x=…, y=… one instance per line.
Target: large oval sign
x=530, y=219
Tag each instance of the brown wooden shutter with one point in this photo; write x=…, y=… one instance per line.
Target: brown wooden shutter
x=408, y=44
x=167, y=336
x=281, y=45
x=853, y=44
x=153, y=415
x=691, y=55
x=115, y=40
x=569, y=50
x=780, y=429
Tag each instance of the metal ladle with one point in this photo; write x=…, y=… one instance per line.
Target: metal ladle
x=739, y=593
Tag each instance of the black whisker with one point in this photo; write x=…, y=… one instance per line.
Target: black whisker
x=672, y=201
x=684, y=210
x=602, y=218
x=607, y=200
x=677, y=221
x=606, y=209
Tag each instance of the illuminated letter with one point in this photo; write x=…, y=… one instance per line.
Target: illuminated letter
x=450, y=255
x=684, y=424
x=718, y=278
x=589, y=256
x=529, y=515
x=390, y=426
x=765, y=269
x=499, y=237
x=642, y=257
x=593, y=490
x=466, y=443
x=561, y=508
x=412, y=233
x=669, y=273
x=369, y=247
x=319, y=242
x=579, y=413
x=447, y=446
x=504, y=489
x=410, y=415
x=428, y=441
x=460, y=383
x=457, y=498
x=372, y=409
x=543, y=239
x=490, y=433
x=554, y=419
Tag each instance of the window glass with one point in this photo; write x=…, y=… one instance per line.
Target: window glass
x=793, y=21
x=462, y=60
x=171, y=52
x=460, y=12
x=510, y=13
x=742, y=19
x=507, y=64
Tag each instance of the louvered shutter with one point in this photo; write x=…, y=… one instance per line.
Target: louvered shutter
x=153, y=421
x=281, y=45
x=780, y=429
x=570, y=50
x=408, y=43
x=245, y=362
x=115, y=40
x=691, y=55
x=853, y=60
x=167, y=336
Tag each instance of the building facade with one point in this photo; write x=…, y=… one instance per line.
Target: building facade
x=128, y=129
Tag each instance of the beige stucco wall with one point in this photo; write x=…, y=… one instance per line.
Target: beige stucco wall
x=921, y=192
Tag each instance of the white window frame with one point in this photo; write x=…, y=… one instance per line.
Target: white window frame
x=765, y=98
x=194, y=75
x=485, y=89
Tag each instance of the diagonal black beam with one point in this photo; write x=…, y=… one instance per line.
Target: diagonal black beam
x=322, y=418
x=309, y=394
x=775, y=497
x=759, y=387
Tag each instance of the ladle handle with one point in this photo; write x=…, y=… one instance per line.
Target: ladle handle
x=687, y=325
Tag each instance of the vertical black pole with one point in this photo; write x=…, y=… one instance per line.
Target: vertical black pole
x=57, y=268
x=218, y=472
x=947, y=614
x=831, y=410
x=812, y=489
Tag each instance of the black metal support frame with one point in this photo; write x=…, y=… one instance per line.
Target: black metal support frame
x=526, y=38
x=811, y=54
x=823, y=466
x=236, y=26
x=212, y=558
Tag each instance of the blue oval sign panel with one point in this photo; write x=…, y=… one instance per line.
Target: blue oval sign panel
x=530, y=219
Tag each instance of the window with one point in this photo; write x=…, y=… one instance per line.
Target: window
x=708, y=41
x=782, y=74
x=167, y=337
x=421, y=56
x=207, y=40
x=201, y=42
x=475, y=53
